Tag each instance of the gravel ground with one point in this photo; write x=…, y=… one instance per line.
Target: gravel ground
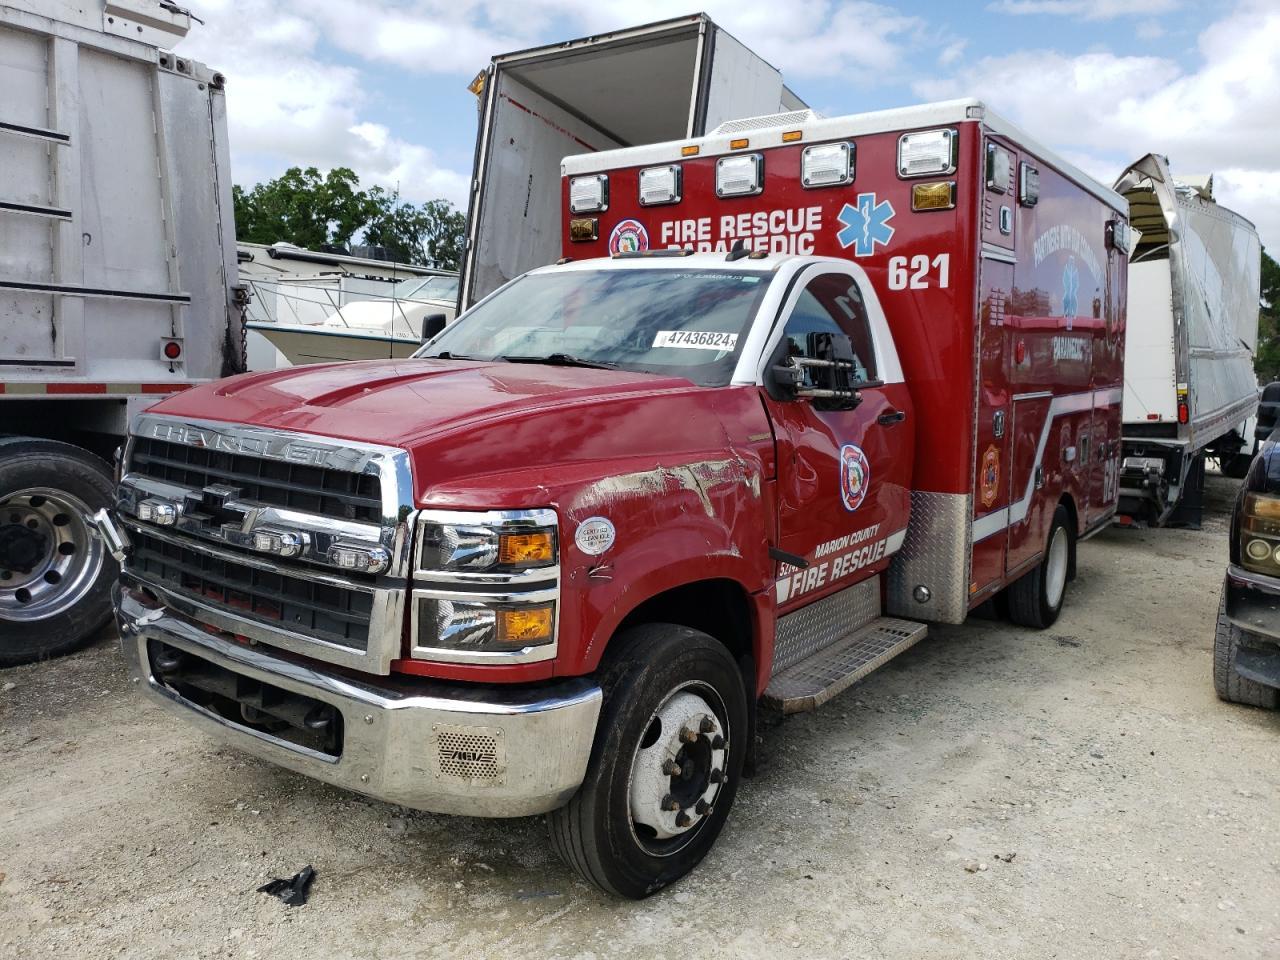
x=993, y=793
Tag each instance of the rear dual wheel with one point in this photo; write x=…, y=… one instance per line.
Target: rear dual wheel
x=55, y=575
x=665, y=766
x=1035, y=599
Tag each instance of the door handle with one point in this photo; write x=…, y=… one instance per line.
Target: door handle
x=889, y=418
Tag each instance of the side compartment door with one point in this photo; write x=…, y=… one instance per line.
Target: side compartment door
x=843, y=474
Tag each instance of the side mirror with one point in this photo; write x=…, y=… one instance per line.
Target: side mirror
x=432, y=324
x=824, y=372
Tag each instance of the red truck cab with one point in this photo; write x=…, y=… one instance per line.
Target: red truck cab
x=797, y=390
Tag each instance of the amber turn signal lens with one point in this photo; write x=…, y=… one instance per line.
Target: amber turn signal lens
x=1261, y=505
x=526, y=548
x=933, y=196
x=526, y=625
x=582, y=229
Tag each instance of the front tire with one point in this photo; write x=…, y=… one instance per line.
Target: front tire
x=1228, y=684
x=55, y=575
x=665, y=765
x=1035, y=599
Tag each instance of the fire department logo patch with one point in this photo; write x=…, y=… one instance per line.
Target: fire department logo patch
x=629, y=236
x=989, y=480
x=855, y=476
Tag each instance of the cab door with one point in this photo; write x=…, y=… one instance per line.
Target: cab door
x=843, y=474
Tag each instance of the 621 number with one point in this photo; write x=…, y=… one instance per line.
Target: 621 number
x=920, y=272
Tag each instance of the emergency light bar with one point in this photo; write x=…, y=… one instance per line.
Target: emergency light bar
x=660, y=185
x=589, y=194
x=928, y=153
x=827, y=165
x=740, y=176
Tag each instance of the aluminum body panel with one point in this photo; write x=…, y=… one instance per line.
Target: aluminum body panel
x=394, y=736
x=822, y=623
x=936, y=556
x=1200, y=264
x=134, y=150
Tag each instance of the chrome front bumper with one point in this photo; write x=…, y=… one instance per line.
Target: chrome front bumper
x=414, y=744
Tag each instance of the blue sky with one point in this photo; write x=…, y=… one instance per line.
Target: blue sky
x=380, y=85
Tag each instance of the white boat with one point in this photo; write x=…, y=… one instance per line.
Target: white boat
x=376, y=329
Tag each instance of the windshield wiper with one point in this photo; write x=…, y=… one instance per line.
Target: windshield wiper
x=565, y=360
x=446, y=355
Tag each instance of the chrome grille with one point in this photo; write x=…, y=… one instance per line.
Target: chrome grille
x=333, y=493
x=233, y=484
x=331, y=613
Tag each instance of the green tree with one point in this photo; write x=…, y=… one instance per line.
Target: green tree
x=303, y=207
x=306, y=208
x=430, y=234
x=1266, y=361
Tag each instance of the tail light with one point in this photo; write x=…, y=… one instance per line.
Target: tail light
x=171, y=348
x=1260, y=533
x=1184, y=412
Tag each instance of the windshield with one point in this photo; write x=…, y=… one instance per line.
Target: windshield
x=683, y=323
x=426, y=288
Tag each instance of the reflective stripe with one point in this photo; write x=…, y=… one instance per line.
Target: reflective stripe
x=992, y=523
x=19, y=388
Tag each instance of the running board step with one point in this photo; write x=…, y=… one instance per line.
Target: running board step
x=813, y=681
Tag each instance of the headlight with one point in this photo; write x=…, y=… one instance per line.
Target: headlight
x=466, y=626
x=1260, y=534
x=486, y=586
x=493, y=541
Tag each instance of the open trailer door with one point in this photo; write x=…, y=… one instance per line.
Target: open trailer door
x=663, y=81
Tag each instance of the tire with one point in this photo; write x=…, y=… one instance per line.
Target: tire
x=55, y=576
x=1035, y=598
x=1235, y=466
x=607, y=832
x=1228, y=684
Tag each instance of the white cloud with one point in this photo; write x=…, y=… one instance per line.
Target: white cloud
x=1086, y=9
x=287, y=106
x=952, y=52
x=1222, y=116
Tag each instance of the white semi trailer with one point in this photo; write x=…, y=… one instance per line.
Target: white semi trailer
x=662, y=81
x=118, y=281
x=1190, y=388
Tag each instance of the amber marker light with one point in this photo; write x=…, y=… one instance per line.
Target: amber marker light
x=525, y=626
x=690, y=151
x=791, y=136
x=933, y=196
x=526, y=549
x=740, y=144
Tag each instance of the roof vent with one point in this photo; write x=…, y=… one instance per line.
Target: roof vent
x=791, y=119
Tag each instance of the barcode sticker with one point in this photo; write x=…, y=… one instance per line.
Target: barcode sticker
x=695, y=339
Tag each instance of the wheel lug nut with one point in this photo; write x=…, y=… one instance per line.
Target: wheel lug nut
x=707, y=725
x=669, y=803
x=687, y=735
x=671, y=768
x=683, y=819
x=717, y=776
x=717, y=742
x=702, y=807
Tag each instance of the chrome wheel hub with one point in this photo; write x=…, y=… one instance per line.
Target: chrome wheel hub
x=1055, y=576
x=679, y=768
x=48, y=558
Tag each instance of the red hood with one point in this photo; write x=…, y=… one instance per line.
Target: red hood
x=398, y=402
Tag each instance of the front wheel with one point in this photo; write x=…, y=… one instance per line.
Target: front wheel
x=665, y=765
x=1035, y=599
x=1228, y=684
x=55, y=575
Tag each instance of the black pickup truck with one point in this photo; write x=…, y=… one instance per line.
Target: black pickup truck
x=1246, y=643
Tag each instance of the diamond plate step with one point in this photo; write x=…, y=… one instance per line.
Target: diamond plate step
x=813, y=681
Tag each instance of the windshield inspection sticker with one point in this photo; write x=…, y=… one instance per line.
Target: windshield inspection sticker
x=695, y=339
x=595, y=535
